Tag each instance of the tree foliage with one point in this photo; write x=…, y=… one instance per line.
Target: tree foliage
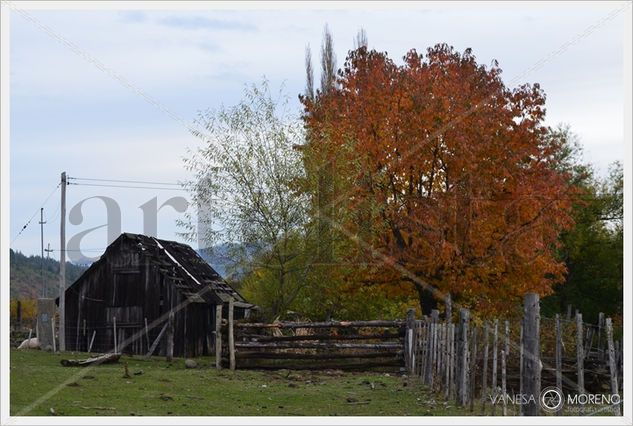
x=245, y=188
x=447, y=175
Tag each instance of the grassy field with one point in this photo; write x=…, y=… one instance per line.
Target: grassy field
x=41, y=386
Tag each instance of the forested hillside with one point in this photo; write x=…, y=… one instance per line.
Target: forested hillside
x=26, y=281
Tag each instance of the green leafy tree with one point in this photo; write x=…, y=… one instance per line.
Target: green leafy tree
x=245, y=186
x=593, y=248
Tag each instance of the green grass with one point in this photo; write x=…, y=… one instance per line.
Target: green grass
x=39, y=383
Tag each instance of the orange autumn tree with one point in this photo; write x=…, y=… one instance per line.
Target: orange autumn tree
x=444, y=175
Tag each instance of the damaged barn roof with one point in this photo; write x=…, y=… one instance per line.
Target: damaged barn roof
x=191, y=274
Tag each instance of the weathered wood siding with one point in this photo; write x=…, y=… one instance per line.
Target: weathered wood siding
x=132, y=285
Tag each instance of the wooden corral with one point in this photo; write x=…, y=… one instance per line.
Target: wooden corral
x=345, y=345
x=146, y=295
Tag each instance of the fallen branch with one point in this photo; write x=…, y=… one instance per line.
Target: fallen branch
x=102, y=359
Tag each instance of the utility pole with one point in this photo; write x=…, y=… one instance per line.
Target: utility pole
x=44, y=289
x=48, y=251
x=62, y=268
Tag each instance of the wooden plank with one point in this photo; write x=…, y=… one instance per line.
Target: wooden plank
x=462, y=358
x=76, y=348
x=115, y=336
x=170, y=337
x=495, y=349
x=504, y=360
x=414, y=349
x=325, y=324
x=425, y=350
x=53, y=331
x=521, y=354
x=580, y=355
x=442, y=354
x=484, y=374
x=531, y=383
x=408, y=344
x=321, y=337
x=447, y=361
x=473, y=369
x=613, y=370
x=92, y=340
x=328, y=355
x=218, y=337
x=146, y=333
x=154, y=345
x=231, y=337
x=316, y=345
x=559, y=358
x=329, y=366
x=453, y=361
x=504, y=391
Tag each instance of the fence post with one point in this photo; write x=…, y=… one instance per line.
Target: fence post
x=532, y=359
x=613, y=372
x=114, y=335
x=484, y=374
x=495, y=349
x=417, y=341
x=231, y=337
x=504, y=408
x=618, y=362
x=473, y=370
x=428, y=370
x=170, y=336
x=521, y=355
x=218, y=336
x=444, y=351
x=462, y=361
x=559, y=358
x=452, y=362
x=408, y=350
x=435, y=319
x=425, y=348
x=447, y=366
x=504, y=357
x=53, y=331
x=580, y=355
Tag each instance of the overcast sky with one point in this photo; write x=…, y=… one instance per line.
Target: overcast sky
x=67, y=114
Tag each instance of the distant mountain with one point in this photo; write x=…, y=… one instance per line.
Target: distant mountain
x=224, y=259
x=26, y=279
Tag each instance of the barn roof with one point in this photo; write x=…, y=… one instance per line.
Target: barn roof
x=193, y=276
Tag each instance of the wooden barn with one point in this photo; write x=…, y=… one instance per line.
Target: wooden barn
x=127, y=295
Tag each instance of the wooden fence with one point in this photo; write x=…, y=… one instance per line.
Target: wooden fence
x=345, y=345
x=484, y=367
x=480, y=366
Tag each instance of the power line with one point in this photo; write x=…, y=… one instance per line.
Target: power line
x=127, y=186
x=34, y=214
x=125, y=181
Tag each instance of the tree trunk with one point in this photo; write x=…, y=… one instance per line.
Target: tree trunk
x=428, y=302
